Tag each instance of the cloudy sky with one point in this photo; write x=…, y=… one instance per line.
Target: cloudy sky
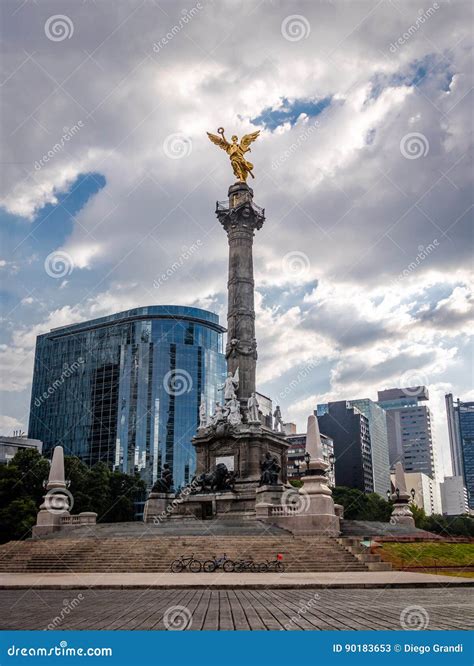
x=363, y=166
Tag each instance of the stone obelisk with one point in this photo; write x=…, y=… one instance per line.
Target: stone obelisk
x=240, y=218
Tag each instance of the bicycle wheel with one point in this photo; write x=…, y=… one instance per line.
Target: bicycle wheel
x=238, y=567
x=263, y=567
x=177, y=566
x=280, y=567
x=255, y=567
x=195, y=566
x=228, y=566
x=209, y=566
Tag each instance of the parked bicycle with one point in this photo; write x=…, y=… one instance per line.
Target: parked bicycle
x=242, y=565
x=273, y=565
x=186, y=563
x=216, y=563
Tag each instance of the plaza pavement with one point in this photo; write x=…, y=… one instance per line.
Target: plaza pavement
x=238, y=609
x=228, y=581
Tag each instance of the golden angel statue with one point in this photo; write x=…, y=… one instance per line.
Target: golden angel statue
x=236, y=151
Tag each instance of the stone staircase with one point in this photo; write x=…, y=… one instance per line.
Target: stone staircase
x=155, y=553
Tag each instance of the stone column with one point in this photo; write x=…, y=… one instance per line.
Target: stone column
x=56, y=501
x=240, y=218
x=401, y=512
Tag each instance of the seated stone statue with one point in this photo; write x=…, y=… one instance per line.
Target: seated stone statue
x=218, y=480
x=165, y=483
x=270, y=469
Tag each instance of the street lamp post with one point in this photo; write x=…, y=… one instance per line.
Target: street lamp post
x=307, y=459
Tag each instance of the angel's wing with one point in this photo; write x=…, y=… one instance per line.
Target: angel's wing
x=222, y=143
x=236, y=376
x=247, y=139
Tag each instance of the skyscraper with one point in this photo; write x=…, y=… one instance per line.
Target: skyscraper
x=409, y=429
x=349, y=430
x=125, y=389
x=377, y=418
x=461, y=441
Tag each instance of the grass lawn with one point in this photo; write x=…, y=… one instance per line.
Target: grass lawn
x=428, y=554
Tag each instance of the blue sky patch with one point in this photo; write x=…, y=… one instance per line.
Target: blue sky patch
x=417, y=73
x=271, y=118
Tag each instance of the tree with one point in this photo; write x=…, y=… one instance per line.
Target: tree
x=362, y=506
x=109, y=494
x=124, y=491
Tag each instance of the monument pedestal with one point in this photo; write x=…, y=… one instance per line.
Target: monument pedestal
x=310, y=510
x=240, y=448
x=158, y=507
x=401, y=513
x=317, y=515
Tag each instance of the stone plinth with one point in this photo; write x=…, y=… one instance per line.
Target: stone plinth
x=401, y=512
x=268, y=497
x=158, y=507
x=57, y=501
x=317, y=514
x=314, y=513
x=242, y=447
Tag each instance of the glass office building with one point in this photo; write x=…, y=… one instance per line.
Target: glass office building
x=349, y=430
x=125, y=389
x=461, y=438
x=378, y=442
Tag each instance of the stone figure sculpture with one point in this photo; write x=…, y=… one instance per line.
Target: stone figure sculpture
x=220, y=414
x=219, y=480
x=230, y=386
x=270, y=468
x=252, y=409
x=165, y=483
x=236, y=151
x=235, y=417
x=277, y=419
x=202, y=413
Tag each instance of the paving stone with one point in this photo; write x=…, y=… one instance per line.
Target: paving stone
x=281, y=609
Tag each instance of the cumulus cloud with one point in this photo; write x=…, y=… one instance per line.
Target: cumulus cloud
x=344, y=276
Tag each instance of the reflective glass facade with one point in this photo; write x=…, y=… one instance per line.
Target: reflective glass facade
x=349, y=430
x=125, y=389
x=465, y=417
x=378, y=442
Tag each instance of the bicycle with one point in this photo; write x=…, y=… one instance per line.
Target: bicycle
x=190, y=563
x=272, y=565
x=246, y=565
x=216, y=563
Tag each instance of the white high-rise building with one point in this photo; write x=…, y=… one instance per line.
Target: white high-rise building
x=409, y=429
x=426, y=494
x=454, y=496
